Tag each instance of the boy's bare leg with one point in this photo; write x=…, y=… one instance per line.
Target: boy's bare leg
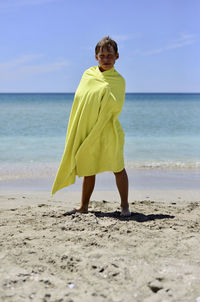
x=122, y=185
x=87, y=189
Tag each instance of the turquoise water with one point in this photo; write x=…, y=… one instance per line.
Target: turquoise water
x=162, y=130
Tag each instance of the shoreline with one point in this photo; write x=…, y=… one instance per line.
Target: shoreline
x=139, y=179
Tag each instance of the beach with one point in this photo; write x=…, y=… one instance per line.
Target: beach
x=99, y=256
x=72, y=105
x=152, y=256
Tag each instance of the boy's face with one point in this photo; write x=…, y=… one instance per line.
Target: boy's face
x=106, y=58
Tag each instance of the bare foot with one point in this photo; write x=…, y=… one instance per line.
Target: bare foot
x=82, y=210
x=125, y=212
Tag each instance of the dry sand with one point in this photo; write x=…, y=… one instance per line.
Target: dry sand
x=152, y=256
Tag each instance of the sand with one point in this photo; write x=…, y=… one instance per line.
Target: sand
x=152, y=256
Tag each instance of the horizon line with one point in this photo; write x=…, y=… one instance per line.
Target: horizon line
x=134, y=92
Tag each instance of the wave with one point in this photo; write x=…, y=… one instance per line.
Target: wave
x=162, y=164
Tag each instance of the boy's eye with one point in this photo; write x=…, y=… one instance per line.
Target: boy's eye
x=108, y=56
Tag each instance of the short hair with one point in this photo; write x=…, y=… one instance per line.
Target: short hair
x=106, y=42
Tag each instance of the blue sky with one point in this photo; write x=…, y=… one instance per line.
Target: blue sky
x=47, y=44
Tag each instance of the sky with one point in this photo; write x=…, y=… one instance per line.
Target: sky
x=45, y=45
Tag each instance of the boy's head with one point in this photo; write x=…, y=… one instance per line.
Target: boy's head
x=106, y=53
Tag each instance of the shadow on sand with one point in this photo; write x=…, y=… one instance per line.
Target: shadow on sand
x=139, y=217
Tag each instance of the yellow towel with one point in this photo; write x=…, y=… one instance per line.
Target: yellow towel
x=95, y=138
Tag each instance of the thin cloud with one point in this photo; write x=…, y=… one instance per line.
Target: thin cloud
x=43, y=68
x=185, y=36
x=20, y=60
x=179, y=44
x=183, y=40
x=152, y=52
x=24, y=66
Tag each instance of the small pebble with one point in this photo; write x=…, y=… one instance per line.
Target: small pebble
x=71, y=285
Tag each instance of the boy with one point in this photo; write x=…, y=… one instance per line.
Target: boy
x=95, y=138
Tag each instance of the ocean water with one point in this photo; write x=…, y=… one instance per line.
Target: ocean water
x=161, y=130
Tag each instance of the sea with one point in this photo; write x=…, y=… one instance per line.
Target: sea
x=162, y=131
